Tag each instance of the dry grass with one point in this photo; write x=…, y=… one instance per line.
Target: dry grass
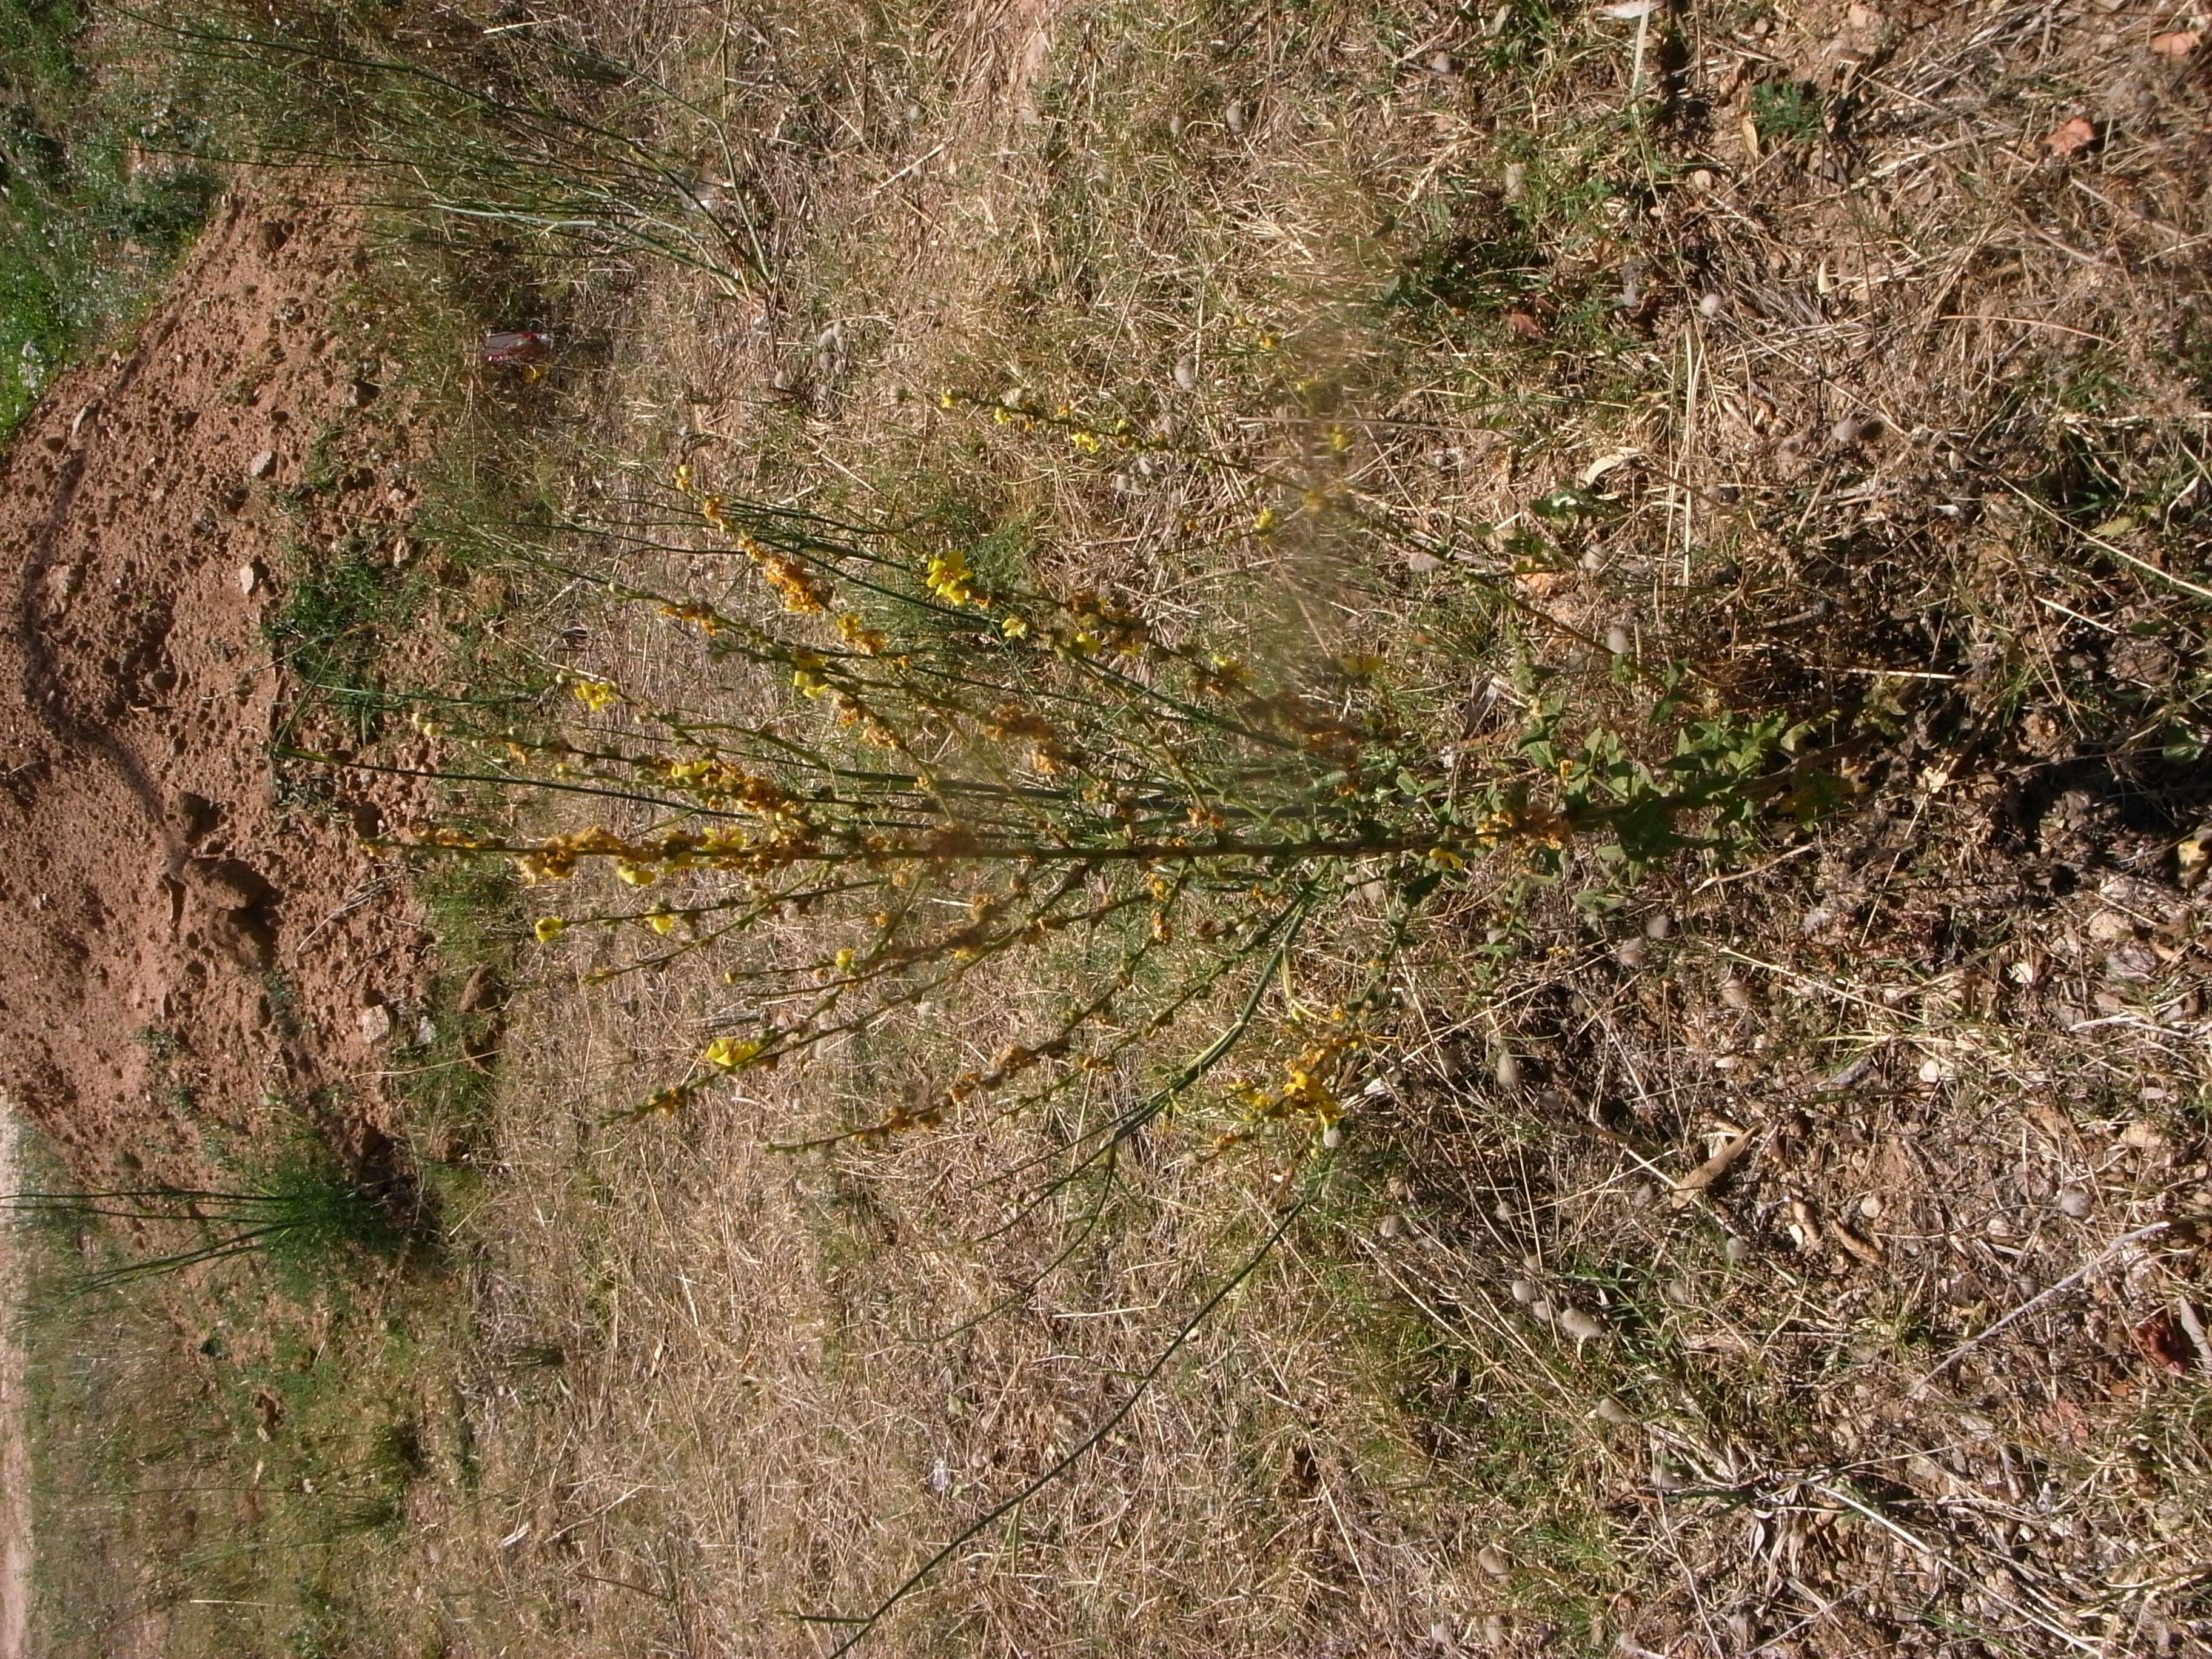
x=1892, y=419
x=1952, y=1019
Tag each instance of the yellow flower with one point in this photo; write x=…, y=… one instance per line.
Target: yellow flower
x=858, y=634
x=660, y=922
x=595, y=695
x=549, y=928
x=1266, y=521
x=730, y=1053
x=635, y=875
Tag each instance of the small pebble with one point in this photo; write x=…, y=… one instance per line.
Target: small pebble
x=1492, y=1560
x=1631, y=954
x=2074, y=1202
x=1516, y=180
x=1522, y=1292
x=1735, y=995
x=1617, y=640
x=1509, y=1072
x=1237, y=115
x=1735, y=1251
x=2143, y=1136
x=1709, y=305
x=1581, y=1326
x=262, y=465
x=249, y=578
x=1442, y=63
x=1658, y=926
x=1614, y=1413
x=1186, y=374
x=1389, y=1227
x=1701, y=179
x=1331, y=1138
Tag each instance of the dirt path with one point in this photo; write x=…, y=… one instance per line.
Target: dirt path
x=14, y=1444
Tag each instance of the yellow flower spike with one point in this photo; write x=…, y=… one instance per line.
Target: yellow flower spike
x=731, y=1053
x=845, y=958
x=549, y=928
x=661, y=921
x=1267, y=519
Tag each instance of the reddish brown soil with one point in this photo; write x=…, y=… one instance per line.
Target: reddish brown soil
x=138, y=1009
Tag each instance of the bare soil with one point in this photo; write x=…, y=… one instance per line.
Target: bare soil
x=184, y=946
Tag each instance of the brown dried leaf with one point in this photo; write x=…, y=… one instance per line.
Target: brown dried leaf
x=2178, y=44
x=2069, y=136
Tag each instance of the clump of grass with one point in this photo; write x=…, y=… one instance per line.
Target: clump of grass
x=304, y=1216
x=97, y=209
x=518, y=136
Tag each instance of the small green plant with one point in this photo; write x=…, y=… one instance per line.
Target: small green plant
x=1788, y=112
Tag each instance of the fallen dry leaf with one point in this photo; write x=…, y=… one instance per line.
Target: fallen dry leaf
x=2160, y=1339
x=2178, y=44
x=1711, y=1170
x=2070, y=137
x=1524, y=324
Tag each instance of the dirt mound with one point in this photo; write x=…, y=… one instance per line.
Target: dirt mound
x=185, y=947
